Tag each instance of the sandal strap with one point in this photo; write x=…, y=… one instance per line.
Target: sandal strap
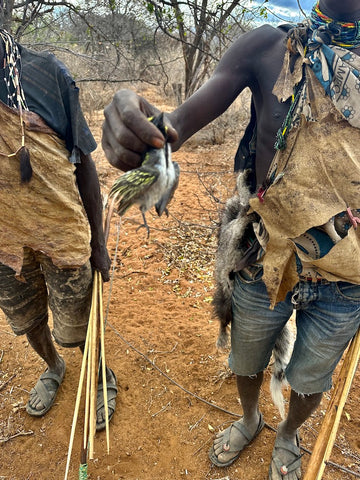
x=111, y=393
x=288, y=468
x=286, y=445
x=45, y=394
x=51, y=376
x=293, y=464
x=244, y=431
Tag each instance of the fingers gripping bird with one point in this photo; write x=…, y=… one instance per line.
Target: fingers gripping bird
x=152, y=184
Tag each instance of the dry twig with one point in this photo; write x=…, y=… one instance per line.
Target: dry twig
x=3, y=385
x=18, y=434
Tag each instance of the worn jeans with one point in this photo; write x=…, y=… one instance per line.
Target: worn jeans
x=327, y=317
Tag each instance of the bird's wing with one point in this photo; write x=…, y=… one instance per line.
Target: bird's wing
x=131, y=186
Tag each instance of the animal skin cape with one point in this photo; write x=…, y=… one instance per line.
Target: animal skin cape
x=317, y=176
x=45, y=214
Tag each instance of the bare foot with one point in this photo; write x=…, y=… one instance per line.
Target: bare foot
x=42, y=396
x=229, y=443
x=286, y=458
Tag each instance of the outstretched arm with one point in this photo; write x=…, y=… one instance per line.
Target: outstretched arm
x=89, y=189
x=126, y=131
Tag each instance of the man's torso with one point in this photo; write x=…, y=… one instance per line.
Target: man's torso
x=270, y=113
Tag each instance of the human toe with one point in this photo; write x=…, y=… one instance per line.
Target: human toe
x=43, y=395
x=286, y=460
x=228, y=444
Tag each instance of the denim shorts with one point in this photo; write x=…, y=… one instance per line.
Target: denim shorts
x=327, y=317
x=67, y=292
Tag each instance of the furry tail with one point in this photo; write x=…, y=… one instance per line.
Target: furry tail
x=281, y=353
x=222, y=310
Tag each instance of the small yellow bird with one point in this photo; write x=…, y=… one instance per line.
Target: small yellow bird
x=152, y=184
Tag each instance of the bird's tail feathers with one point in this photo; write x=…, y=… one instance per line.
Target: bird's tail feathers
x=281, y=354
x=123, y=206
x=124, y=196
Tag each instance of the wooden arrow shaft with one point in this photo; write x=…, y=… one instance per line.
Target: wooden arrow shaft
x=327, y=435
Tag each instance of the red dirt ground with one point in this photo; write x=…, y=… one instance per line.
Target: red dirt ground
x=160, y=340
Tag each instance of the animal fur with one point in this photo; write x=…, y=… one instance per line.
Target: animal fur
x=281, y=356
x=235, y=223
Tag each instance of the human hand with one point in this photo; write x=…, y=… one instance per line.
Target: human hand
x=127, y=132
x=100, y=261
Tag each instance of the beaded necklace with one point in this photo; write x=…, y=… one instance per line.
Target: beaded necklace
x=12, y=67
x=15, y=99
x=343, y=34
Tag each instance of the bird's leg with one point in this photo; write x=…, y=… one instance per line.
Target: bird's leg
x=144, y=225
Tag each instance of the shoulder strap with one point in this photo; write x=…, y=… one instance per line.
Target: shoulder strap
x=246, y=152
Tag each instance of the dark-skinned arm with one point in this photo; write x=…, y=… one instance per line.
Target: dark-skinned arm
x=89, y=189
x=127, y=133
